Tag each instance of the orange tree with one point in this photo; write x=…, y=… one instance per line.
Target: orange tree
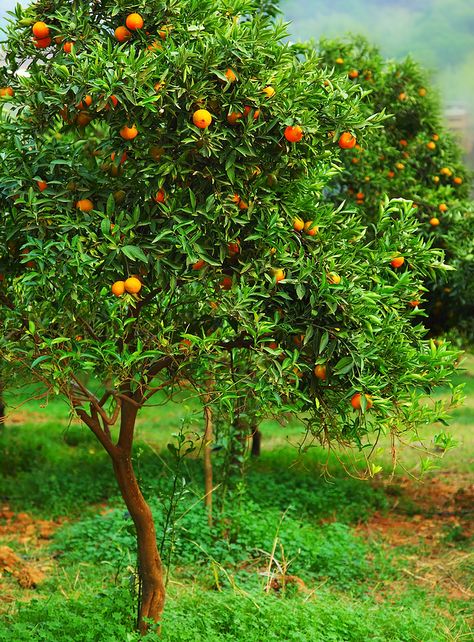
x=413, y=157
x=161, y=176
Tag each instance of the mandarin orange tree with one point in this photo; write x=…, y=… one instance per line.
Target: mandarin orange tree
x=413, y=157
x=148, y=199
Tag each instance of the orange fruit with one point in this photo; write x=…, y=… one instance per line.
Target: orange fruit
x=278, y=274
x=434, y=221
x=298, y=224
x=353, y=74
x=122, y=34
x=40, y=30
x=273, y=345
x=165, y=31
x=333, y=278
x=390, y=174
x=293, y=133
x=128, y=133
x=435, y=137
x=356, y=401
x=339, y=61
x=240, y=202
x=445, y=171
x=85, y=103
x=397, y=262
x=230, y=75
x=431, y=145
x=269, y=91
x=360, y=196
x=85, y=205
x=310, y=229
x=160, y=196
x=198, y=265
x=234, y=248
x=226, y=283
x=134, y=21
x=443, y=207
x=42, y=185
x=403, y=143
x=42, y=43
x=399, y=166
x=436, y=179
x=457, y=180
x=185, y=344
x=6, y=92
x=155, y=46
x=355, y=160
x=202, y=118
x=122, y=159
x=233, y=117
x=347, y=141
x=414, y=303
x=402, y=96
x=133, y=285
x=67, y=47
x=320, y=372
x=83, y=118
x=422, y=91
x=118, y=288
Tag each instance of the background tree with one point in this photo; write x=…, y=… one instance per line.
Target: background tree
x=413, y=157
x=141, y=149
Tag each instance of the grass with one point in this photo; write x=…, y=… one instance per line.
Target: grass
x=354, y=560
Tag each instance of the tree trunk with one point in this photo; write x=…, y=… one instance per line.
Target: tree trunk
x=2, y=406
x=208, y=482
x=150, y=567
x=256, y=441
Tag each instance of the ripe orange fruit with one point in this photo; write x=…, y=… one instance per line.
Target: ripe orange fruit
x=198, y=265
x=443, y=207
x=339, y=61
x=202, y=118
x=122, y=159
x=436, y=179
x=85, y=103
x=320, y=372
x=347, y=141
x=402, y=96
x=67, y=47
x=390, y=174
x=435, y=137
x=128, y=133
x=298, y=224
x=234, y=248
x=122, y=34
x=85, y=205
x=310, y=229
x=445, y=171
x=114, y=100
x=403, y=143
x=333, y=278
x=42, y=185
x=431, y=145
x=269, y=91
x=118, y=288
x=356, y=401
x=42, y=43
x=353, y=74
x=133, y=285
x=397, y=262
x=360, y=196
x=399, y=166
x=6, y=92
x=240, y=202
x=230, y=75
x=233, y=117
x=355, y=160
x=226, y=283
x=414, y=303
x=134, y=21
x=165, y=31
x=278, y=274
x=40, y=30
x=434, y=221
x=160, y=196
x=185, y=344
x=293, y=133
x=422, y=91
x=457, y=180
x=273, y=345
x=83, y=118
x=155, y=46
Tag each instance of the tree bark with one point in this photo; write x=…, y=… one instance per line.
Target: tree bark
x=256, y=441
x=150, y=567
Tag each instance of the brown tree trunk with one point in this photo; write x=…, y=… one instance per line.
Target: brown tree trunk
x=208, y=481
x=256, y=441
x=150, y=567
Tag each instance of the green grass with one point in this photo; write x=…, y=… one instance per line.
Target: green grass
x=342, y=586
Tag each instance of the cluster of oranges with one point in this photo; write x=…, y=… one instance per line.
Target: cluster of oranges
x=132, y=285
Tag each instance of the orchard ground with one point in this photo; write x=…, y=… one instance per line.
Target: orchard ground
x=298, y=556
